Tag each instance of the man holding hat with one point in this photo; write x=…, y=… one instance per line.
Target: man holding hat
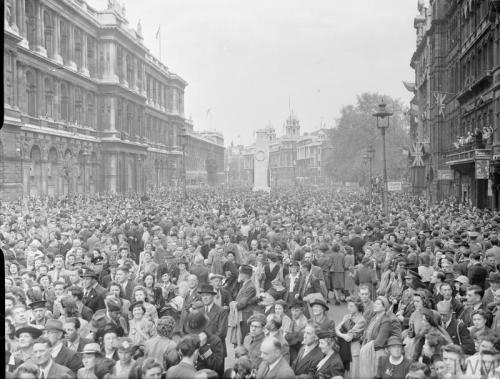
x=222, y=296
x=246, y=297
x=93, y=293
x=62, y=355
x=253, y=340
x=395, y=365
x=26, y=338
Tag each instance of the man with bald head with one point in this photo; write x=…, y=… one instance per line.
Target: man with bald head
x=273, y=365
x=457, y=330
x=191, y=296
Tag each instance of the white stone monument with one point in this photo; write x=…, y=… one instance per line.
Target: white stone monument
x=261, y=161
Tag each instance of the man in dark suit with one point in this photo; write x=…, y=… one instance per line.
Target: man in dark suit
x=456, y=329
x=476, y=272
x=211, y=351
x=246, y=297
x=292, y=283
x=190, y=297
x=217, y=316
x=111, y=277
x=273, y=365
x=93, y=293
x=62, y=355
x=188, y=348
x=73, y=340
x=474, y=303
x=127, y=285
x=309, y=284
x=309, y=354
x=47, y=367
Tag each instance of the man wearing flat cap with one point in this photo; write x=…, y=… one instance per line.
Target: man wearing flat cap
x=253, y=340
x=246, y=297
x=93, y=293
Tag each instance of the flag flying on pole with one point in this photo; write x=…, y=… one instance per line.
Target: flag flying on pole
x=157, y=36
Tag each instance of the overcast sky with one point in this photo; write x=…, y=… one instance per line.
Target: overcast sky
x=244, y=59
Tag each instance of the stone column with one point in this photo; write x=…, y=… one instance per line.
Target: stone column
x=112, y=114
x=71, y=47
x=40, y=107
x=15, y=83
x=112, y=71
x=21, y=83
x=57, y=40
x=134, y=74
x=84, y=69
x=124, y=69
x=21, y=16
x=12, y=21
x=39, y=45
x=144, y=84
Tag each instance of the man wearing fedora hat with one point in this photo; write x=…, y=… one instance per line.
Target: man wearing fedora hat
x=217, y=316
x=26, y=338
x=395, y=365
x=253, y=340
x=211, y=352
x=93, y=293
x=246, y=297
x=61, y=354
x=222, y=297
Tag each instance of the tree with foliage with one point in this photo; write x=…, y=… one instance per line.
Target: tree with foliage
x=356, y=129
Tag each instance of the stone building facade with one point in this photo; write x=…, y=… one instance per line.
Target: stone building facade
x=457, y=100
x=87, y=107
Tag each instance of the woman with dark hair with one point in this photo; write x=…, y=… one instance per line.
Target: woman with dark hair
x=140, y=328
x=140, y=294
x=429, y=325
x=480, y=319
x=153, y=292
x=429, y=347
x=349, y=333
x=383, y=325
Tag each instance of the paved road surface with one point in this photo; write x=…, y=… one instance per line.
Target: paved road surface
x=335, y=313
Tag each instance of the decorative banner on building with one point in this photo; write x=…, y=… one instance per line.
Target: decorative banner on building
x=440, y=98
x=482, y=169
x=417, y=151
x=445, y=175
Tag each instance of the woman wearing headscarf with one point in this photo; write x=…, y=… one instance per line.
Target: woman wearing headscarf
x=383, y=325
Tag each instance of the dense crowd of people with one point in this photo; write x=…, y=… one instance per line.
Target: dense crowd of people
x=228, y=283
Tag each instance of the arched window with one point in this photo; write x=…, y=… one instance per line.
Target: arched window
x=129, y=70
x=130, y=117
x=30, y=23
x=118, y=117
x=49, y=98
x=63, y=30
x=9, y=91
x=64, y=102
x=78, y=47
x=31, y=92
x=78, y=106
x=89, y=115
x=48, y=32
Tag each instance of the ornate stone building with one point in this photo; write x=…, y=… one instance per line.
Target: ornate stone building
x=458, y=102
x=87, y=107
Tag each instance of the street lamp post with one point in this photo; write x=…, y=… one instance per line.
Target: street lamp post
x=370, y=151
x=382, y=114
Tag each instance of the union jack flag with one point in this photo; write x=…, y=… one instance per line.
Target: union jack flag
x=440, y=98
x=417, y=151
